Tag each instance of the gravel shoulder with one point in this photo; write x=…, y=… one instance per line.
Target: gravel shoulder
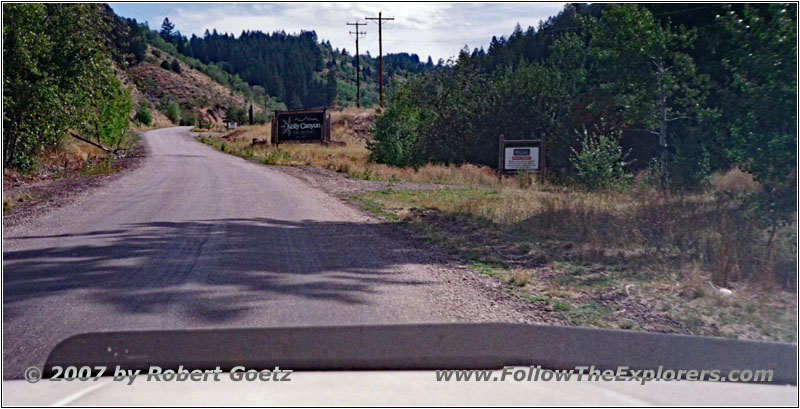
x=469, y=295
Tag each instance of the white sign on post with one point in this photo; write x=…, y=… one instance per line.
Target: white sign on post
x=522, y=158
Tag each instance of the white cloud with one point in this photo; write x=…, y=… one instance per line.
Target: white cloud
x=436, y=29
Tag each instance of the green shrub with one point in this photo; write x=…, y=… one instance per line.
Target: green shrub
x=57, y=79
x=236, y=114
x=600, y=163
x=165, y=65
x=175, y=66
x=173, y=112
x=397, y=132
x=112, y=119
x=188, y=117
x=261, y=117
x=143, y=116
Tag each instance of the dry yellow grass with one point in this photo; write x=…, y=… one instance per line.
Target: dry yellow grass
x=660, y=249
x=735, y=181
x=353, y=158
x=673, y=230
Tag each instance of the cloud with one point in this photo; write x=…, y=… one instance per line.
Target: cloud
x=436, y=29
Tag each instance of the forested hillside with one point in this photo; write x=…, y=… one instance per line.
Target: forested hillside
x=717, y=81
x=296, y=69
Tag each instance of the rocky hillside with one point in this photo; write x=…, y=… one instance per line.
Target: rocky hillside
x=193, y=90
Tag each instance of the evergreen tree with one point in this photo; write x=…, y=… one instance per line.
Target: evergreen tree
x=166, y=30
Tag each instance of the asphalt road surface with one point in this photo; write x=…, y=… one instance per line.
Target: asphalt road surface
x=195, y=238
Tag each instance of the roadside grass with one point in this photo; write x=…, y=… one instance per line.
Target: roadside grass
x=9, y=203
x=598, y=259
x=351, y=159
x=97, y=166
x=70, y=159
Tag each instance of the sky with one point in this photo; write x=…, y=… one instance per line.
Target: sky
x=438, y=30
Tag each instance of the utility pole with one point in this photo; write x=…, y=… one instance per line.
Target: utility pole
x=358, y=78
x=380, y=51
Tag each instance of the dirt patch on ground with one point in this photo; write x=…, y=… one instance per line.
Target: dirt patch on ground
x=31, y=195
x=232, y=135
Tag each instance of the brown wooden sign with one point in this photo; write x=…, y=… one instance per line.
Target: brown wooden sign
x=301, y=125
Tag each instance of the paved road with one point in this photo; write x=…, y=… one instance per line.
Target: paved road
x=195, y=238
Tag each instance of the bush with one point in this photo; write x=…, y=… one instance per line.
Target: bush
x=188, y=117
x=165, y=65
x=108, y=122
x=56, y=79
x=600, y=163
x=173, y=112
x=236, y=114
x=397, y=131
x=143, y=116
x=176, y=66
x=261, y=117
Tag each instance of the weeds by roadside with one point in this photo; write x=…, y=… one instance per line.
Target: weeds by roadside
x=9, y=204
x=591, y=259
x=353, y=159
x=61, y=173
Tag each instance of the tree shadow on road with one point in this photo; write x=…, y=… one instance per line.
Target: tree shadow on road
x=214, y=271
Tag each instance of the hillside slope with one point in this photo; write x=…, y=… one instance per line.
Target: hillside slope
x=191, y=89
x=298, y=69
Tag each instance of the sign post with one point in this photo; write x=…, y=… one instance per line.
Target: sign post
x=514, y=155
x=301, y=125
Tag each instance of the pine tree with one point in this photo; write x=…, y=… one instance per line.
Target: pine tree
x=166, y=29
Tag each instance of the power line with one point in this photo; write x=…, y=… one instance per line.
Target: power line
x=380, y=20
x=687, y=10
x=358, y=77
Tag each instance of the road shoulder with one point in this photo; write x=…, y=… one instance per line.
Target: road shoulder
x=25, y=199
x=470, y=296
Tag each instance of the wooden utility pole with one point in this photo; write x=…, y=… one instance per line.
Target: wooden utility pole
x=358, y=78
x=380, y=51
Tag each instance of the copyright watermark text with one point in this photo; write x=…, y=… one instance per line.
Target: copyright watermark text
x=34, y=374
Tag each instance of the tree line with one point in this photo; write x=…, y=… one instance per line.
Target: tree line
x=682, y=90
x=297, y=69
